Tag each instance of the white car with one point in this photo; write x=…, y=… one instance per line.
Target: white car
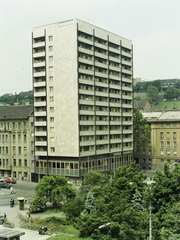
x=1, y=179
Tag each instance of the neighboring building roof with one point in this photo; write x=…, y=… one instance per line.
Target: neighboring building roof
x=162, y=116
x=152, y=115
x=10, y=112
x=9, y=233
x=170, y=116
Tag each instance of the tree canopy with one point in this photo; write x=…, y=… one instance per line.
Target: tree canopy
x=171, y=93
x=142, y=132
x=54, y=188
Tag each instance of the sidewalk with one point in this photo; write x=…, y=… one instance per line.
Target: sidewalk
x=12, y=216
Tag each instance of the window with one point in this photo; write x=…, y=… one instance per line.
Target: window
x=51, y=99
x=174, y=135
x=149, y=152
x=14, y=150
x=161, y=144
x=168, y=161
x=25, y=162
x=150, y=161
x=25, y=174
x=168, y=135
x=50, y=58
x=161, y=135
x=14, y=138
x=6, y=162
x=168, y=144
x=19, y=125
x=6, y=150
x=25, y=151
x=51, y=119
x=24, y=124
x=51, y=89
x=13, y=126
x=50, y=38
x=3, y=150
x=161, y=125
x=174, y=125
x=174, y=153
x=52, y=149
x=19, y=150
x=162, y=161
x=51, y=79
x=25, y=138
x=51, y=69
x=174, y=144
x=14, y=174
x=51, y=129
x=50, y=48
x=19, y=162
x=168, y=125
x=168, y=152
x=52, y=139
x=19, y=138
x=161, y=152
x=14, y=162
x=51, y=109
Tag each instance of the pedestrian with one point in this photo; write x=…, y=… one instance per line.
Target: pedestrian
x=4, y=215
x=12, y=191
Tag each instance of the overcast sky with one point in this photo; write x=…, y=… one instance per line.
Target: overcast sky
x=152, y=25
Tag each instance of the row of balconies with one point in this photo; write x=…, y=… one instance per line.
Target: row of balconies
x=102, y=46
x=104, y=64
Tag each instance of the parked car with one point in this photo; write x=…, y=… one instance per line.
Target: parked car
x=11, y=180
x=5, y=185
x=1, y=179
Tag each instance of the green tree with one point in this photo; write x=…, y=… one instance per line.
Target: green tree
x=54, y=188
x=142, y=132
x=166, y=192
x=177, y=85
x=137, y=87
x=171, y=93
x=37, y=204
x=146, y=85
x=137, y=98
x=114, y=206
x=73, y=208
x=94, y=181
x=152, y=92
x=157, y=84
x=90, y=205
x=137, y=202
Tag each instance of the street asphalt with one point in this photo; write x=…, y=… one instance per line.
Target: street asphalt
x=12, y=216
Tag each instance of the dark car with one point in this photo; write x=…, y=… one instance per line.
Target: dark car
x=5, y=185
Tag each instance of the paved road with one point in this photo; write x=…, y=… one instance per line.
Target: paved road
x=22, y=189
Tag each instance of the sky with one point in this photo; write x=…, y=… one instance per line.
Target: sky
x=153, y=26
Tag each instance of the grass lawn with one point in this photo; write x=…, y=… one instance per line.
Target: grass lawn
x=167, y=105
x=70, y=233
x=49, y=210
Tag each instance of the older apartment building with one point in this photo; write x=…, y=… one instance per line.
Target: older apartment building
x=83, y=111
x=164, y=145
x=16, y=141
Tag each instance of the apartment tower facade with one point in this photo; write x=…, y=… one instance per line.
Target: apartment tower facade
x=83, y=110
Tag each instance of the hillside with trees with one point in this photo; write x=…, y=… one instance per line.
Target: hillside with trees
x=154, y=92
x=21, y=98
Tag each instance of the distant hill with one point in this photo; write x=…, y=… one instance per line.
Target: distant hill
x=21, y=98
